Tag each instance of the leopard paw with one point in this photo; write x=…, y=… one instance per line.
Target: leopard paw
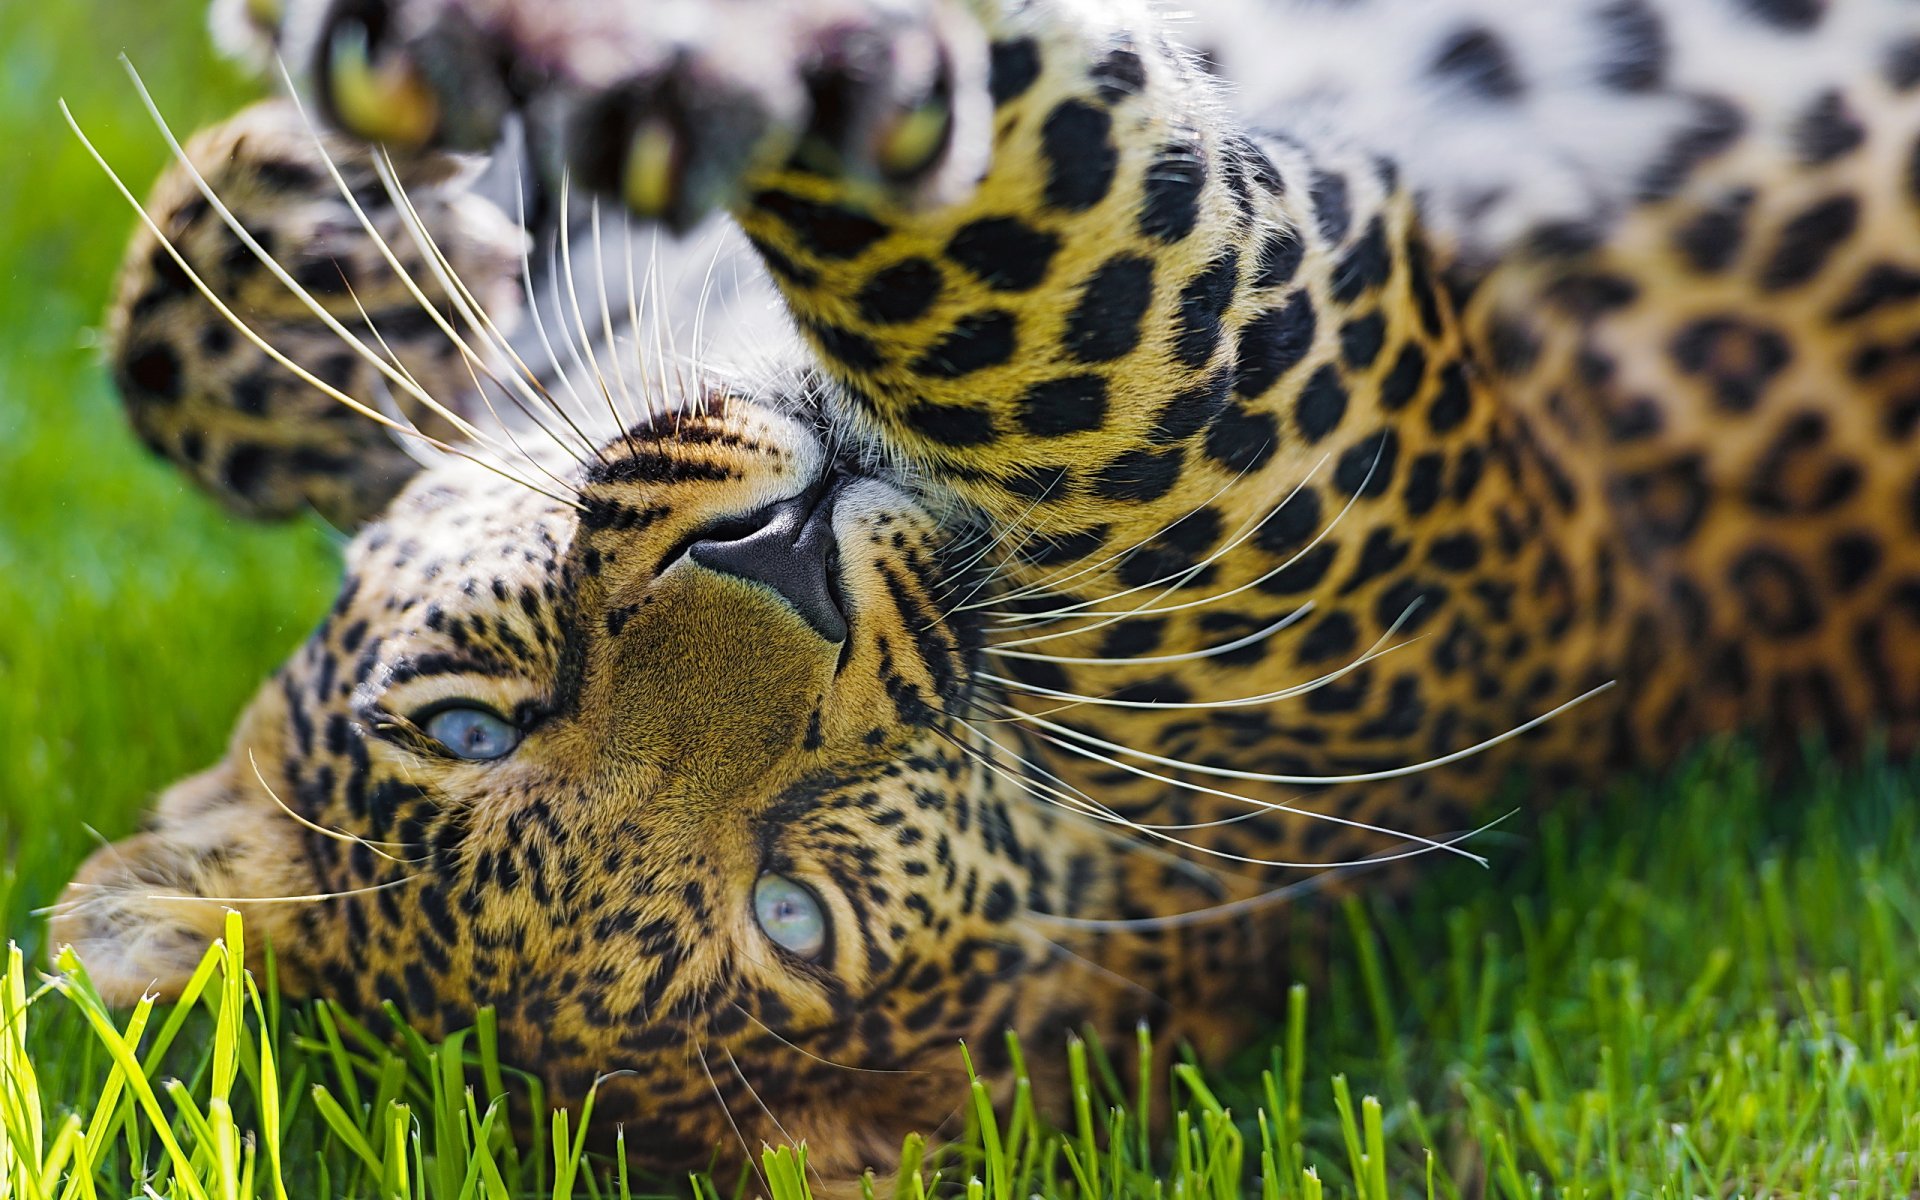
x=676, y=106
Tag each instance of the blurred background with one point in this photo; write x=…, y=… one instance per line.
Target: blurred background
x=135, y=617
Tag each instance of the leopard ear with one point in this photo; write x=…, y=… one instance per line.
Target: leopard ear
x=141, y=912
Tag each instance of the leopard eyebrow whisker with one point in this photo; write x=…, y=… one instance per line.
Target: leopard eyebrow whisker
x=338, y=835
x=253, y=336
x=471, y=310
x=578, y=341
x=1526, y=726
x=606, y=310
x=1238, y=643
x=293, y=286
x=456, y=289
x=662, y=339
x=560, y=372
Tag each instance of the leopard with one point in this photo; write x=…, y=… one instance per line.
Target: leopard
x=1195, y=462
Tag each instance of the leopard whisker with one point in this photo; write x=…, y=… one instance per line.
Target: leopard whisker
x=268, y=348
x=315, y=898
x=720, y=1098
x=338, y=835
x=1526, y=726
x=1238, y=643
x=580, y=342
x=286, y=279
x=469, y=305
x=1426, y=844
x=564, y=376
x=606, y=312
x=1317, y=882
x=1260, y=807
x=471, y=310
x=1104, y=814
x=1075, y=803
x=804, y=1052
x=1216, y=597
x=959, y=571
x=1379, y=649
x=762, y=1105
x=1059, y=579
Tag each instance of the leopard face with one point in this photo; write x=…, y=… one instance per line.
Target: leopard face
x=689, y=817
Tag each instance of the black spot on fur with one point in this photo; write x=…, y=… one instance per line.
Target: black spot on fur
x=1366, y=469
x=1634, y=53
x=1795, y=16
x=1365, y=267
x=1716, y=125
x=1452, y=402
x=1170, y=200
x=1007, y=254
x=1712, y=238
x=1292, y=525
x=155, y=370
x=1403, y=381
x=1118, y=74
x=1105, y=325
x=828, y=231
x=1361, y=339
x=902, y=292
x=1138, y=475
x=1280, y=257
x=1736, y=358
x=1777, y=599
x=1808, y=240
x=1054, y=407
x=976, y=341
x=1077, y=142
x=1477, y=61
x=1273, y=343
x=1322, y=404
x=1012, y=69
x=1333, y=636
x=1902, y=68
x=1242, y=440
x=1202, y=301
x=951, y=424
x=1332, y=209
x=1191, y=410
x=1827, y=130
x=1882, y=284
x=854, y=350
x=242, y=469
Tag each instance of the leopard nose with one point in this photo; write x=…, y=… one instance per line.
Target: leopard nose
x=794, y=553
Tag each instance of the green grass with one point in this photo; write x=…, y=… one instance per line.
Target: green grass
x=1706, y=985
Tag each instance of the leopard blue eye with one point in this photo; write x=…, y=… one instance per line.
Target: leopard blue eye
x=472, y=733
x=790, y=916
